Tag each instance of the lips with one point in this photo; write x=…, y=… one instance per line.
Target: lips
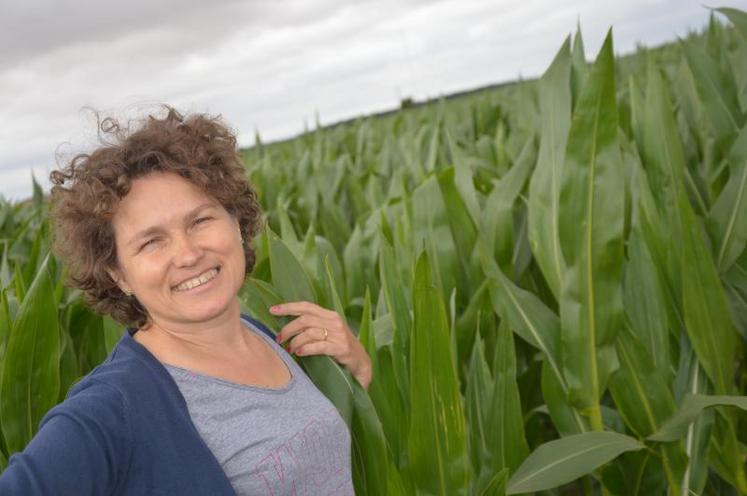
x=197, y=281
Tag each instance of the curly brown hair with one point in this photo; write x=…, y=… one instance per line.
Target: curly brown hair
x=86, y=192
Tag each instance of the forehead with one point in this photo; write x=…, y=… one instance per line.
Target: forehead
x=158, y=198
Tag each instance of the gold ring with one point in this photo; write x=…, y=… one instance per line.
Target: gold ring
x=326, y=333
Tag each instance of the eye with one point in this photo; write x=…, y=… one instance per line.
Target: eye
x=148, y=243
x=202, y=220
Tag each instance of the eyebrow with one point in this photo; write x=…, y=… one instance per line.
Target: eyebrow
x=149, y=231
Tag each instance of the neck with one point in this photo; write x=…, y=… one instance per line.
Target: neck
x=222, y=336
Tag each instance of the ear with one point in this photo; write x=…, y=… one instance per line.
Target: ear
x=118, y=278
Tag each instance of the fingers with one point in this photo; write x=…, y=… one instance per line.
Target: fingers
x=314, y=348
x=301, y=308
x=301, y=324
x=311, y=335
x=306, y=336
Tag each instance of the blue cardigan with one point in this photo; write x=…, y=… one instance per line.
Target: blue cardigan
x=124, y=429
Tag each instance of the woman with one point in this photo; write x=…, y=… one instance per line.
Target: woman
x=195, y=398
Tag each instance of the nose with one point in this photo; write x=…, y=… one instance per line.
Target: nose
x=186, y=252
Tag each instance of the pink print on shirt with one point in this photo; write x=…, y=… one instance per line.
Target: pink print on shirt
x=282, y=471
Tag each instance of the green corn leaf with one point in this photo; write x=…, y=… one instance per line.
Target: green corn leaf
x=706, y=313
x=735, y=281
x=740, y=72
x=31, y=374
x=635, y=473
x=256, y=299
x=580, y=69
x=498, y=215
x=544, y=188
x=591, y=238
x=564, y=460
x=661, y=151
x=292, y=283
x=566, y=419
x=361, y=253
x=676, y=426
x=464, y=182
x=699, y=432
x=644, y=400
x=86, y=331
x=370, y=455
x=659, y=193
x=713, y=338
x=337, y=305
x=287, y=231
x=317, y=253
x=640, y=391
x=437, y=440
x=470, y=321
x=38, y=194
x=504, y=423
x=432, y=232
x=645, y=307
x=69, y=370
x=463, y=232
x=727, y=220
x=388, y=401
x=333, y=224
x=383, y=390
x=365, y=333
x=19, y=285
x=431, y=153
x=536, y=324
x=352, y=256
x=737, y=17
x=717, y=91
x=6, y=323
x=636, y=110
x=289, y=278
x=112, y=333
x=376, y=474
x=477, y=402
x=371, y=459
x=396, y=302
x=497, y=485
x=527, y=315
x=725, y=453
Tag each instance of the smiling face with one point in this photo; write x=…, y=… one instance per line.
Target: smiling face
x=179, y=251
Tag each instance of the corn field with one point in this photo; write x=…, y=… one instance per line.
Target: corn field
x=550, y=278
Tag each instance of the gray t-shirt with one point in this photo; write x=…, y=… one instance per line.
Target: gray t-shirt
x=284, y=441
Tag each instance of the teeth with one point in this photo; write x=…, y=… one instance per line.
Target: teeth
x=197, y=281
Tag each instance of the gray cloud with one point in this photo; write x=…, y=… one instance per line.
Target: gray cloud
x=272, y=64
x=38, y=28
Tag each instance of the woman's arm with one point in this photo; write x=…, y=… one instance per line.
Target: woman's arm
x=81, y=448
x=318, y=331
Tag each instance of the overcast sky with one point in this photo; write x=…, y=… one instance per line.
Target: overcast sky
x=271, y=65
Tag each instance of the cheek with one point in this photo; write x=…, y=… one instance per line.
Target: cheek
x=147, y=272
x=237, y=260
x=240, y=260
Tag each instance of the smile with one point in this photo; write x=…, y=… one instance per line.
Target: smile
x=197, y=281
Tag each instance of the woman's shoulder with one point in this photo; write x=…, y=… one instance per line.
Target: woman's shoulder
x=127, y=370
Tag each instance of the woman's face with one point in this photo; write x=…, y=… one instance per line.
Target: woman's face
x=179, y=251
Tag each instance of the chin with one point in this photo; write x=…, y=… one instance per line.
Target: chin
x=203, y=312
